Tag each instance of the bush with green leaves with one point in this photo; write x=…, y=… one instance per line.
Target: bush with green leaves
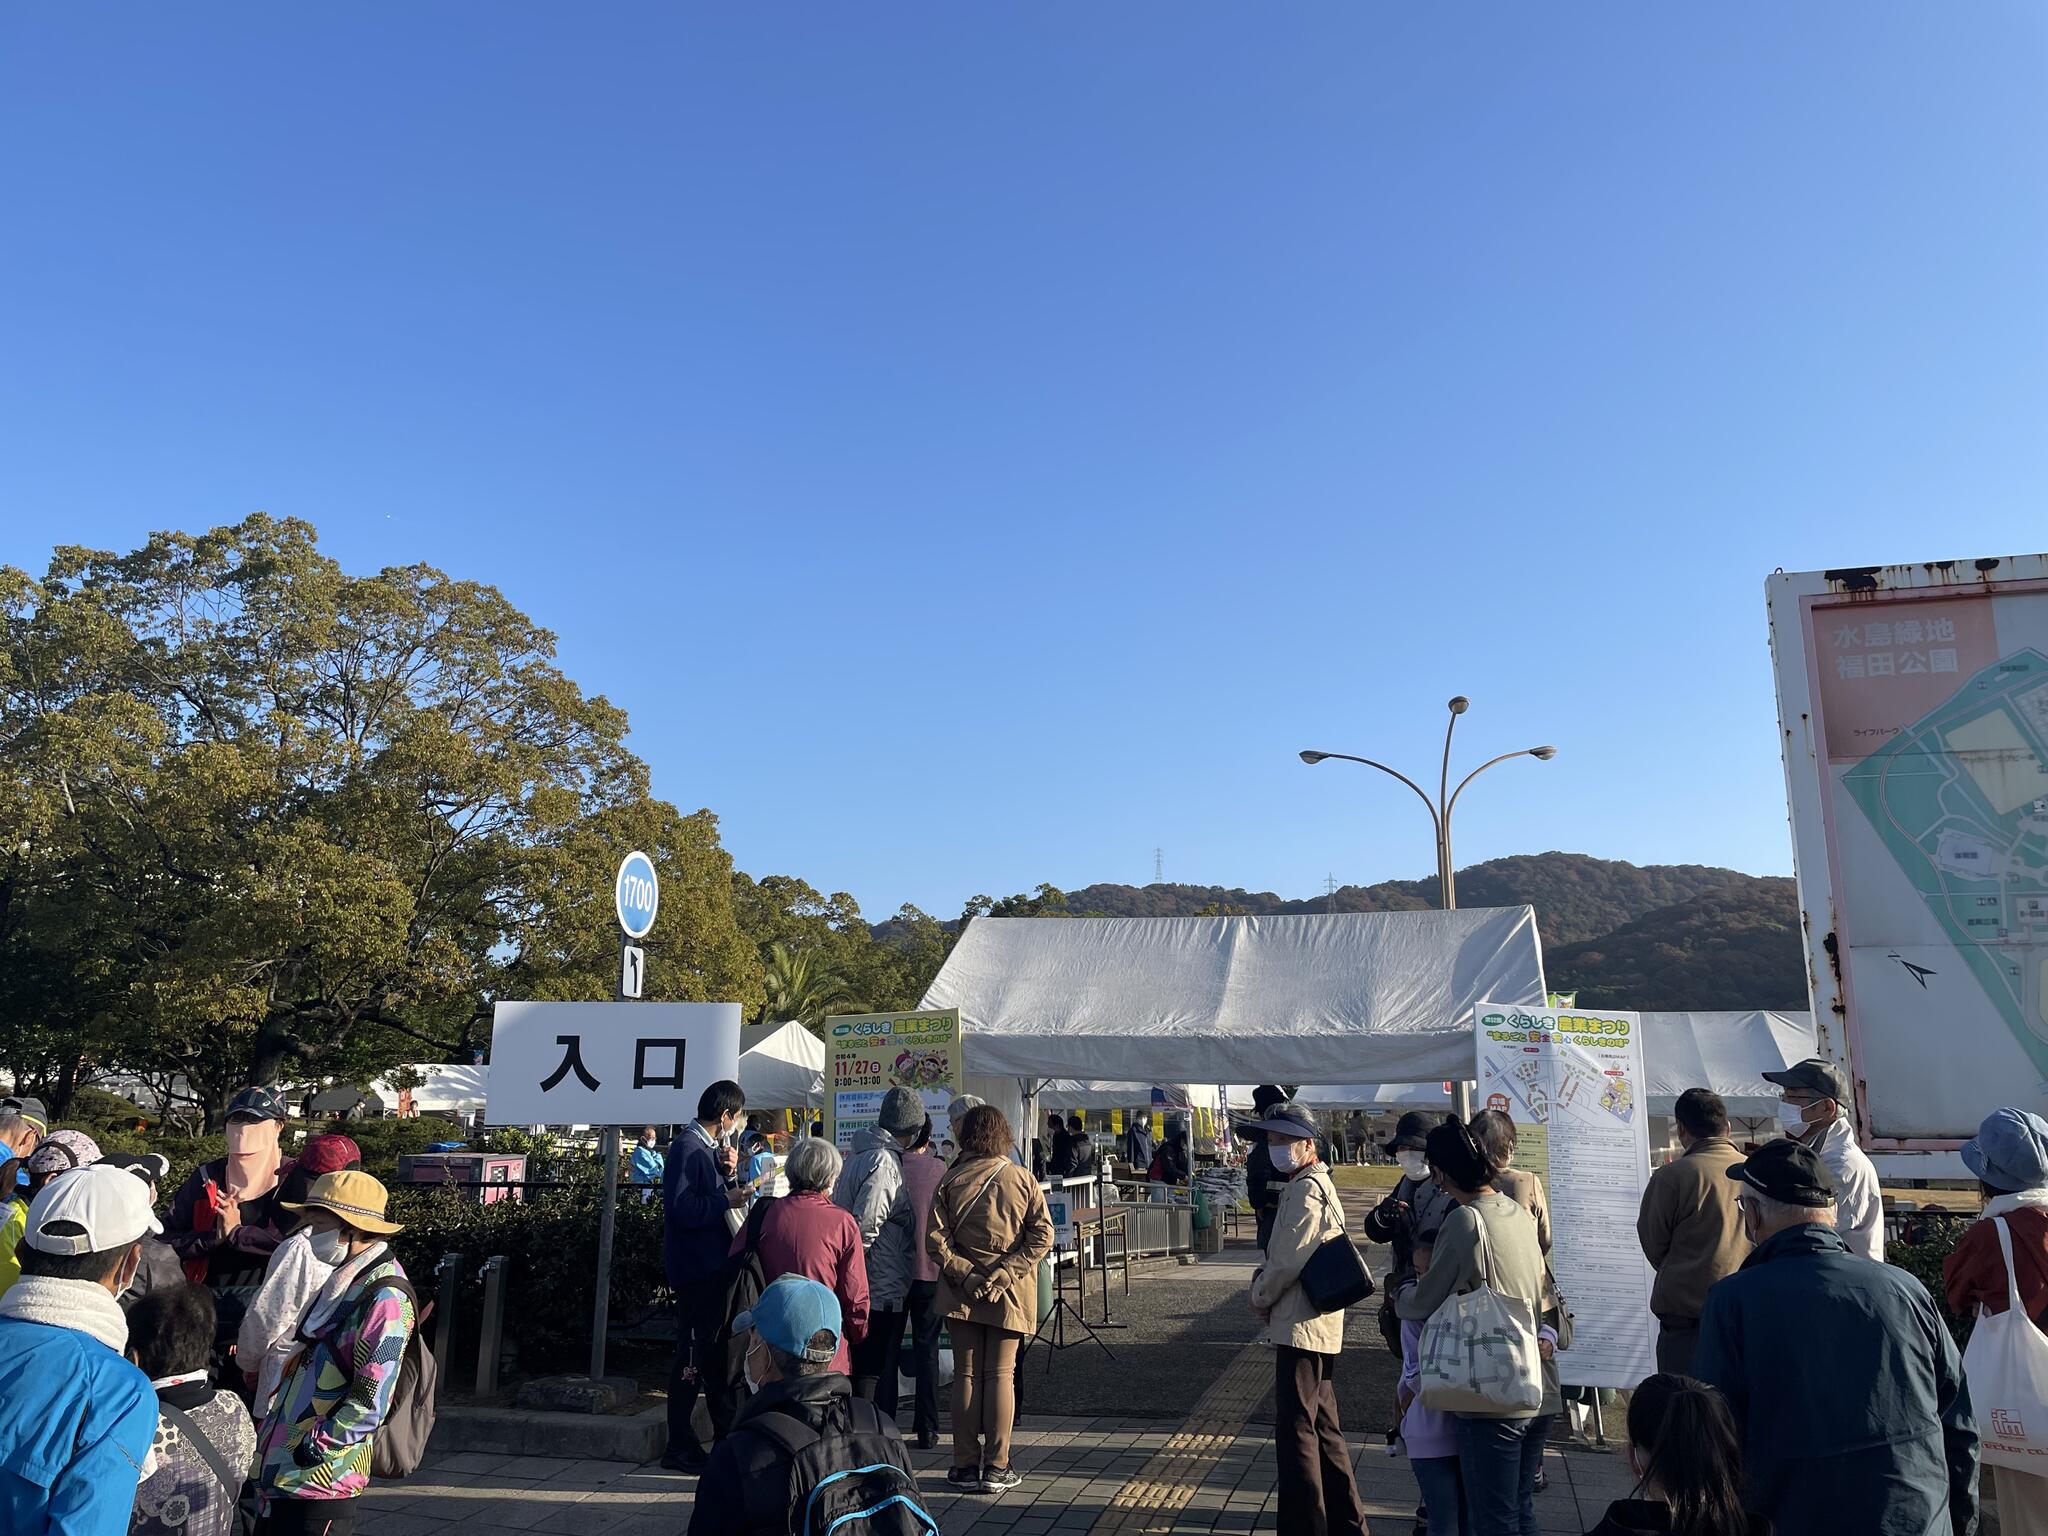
x=1923, y=1260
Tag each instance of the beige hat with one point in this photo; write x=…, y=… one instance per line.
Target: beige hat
x=354, y=1196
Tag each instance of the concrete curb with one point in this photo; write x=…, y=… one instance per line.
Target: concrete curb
x=637, y=1437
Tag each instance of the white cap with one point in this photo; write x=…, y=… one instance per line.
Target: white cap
x=109, y=1204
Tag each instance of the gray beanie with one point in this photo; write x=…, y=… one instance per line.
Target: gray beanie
x=902, y=1111
x=963, y=1102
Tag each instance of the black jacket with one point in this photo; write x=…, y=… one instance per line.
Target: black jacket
x=745, y=1489
x=1427, y=1206
x=1652, y=1517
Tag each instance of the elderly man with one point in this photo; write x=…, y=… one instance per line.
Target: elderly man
x=1845, y=1385
x=1689, y=1227
x=1814, y=1111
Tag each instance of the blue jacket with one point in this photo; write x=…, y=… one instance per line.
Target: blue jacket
x=76, y=1420
x=647, y=1164
x=694, y=1235
x=1847, y=1391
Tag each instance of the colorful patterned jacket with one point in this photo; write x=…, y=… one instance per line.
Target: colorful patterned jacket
x=317, y=1439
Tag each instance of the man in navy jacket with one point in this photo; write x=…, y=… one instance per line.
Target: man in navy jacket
x=698, y=1187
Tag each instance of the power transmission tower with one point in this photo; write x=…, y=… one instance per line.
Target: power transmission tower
x=1330, y=889
x=1158, y=866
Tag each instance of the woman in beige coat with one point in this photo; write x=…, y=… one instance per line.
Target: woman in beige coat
x=1317, y=1494
x=988, y=1230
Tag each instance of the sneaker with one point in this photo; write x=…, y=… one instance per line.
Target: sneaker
x=685, y=1459
x=1542, y=1479
x=966, y=1479
x=1000, y=1480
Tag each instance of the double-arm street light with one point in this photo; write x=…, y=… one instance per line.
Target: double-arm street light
x=1440, y=809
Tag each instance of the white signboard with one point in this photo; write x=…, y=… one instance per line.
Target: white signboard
x=1913, y=709
x=1572, y=1080
x=608, y=1063
x=1059, y=1207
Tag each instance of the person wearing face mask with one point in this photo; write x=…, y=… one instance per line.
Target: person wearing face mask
x=224, y=1220
x=800, y=1405
x=1689, y=1227
x=303, y=1263
x=314, y=1450
x=1845, y=1385
x=1315, y=1487
x=1687, y=1463
x=646, y=1166
x=1262, y=1184
x=76, y=1416
x=1813, y=1110
x=1413, y=1205
x=700, y=1185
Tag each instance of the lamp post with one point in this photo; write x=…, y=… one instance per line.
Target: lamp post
x=1440, y=810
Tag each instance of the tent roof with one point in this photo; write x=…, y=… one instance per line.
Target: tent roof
x=1065, y=1093
x=1727, y=1052
x=443, y=1086
x=782, y=1066
x=1165, y=999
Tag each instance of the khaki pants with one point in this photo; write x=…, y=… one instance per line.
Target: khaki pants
x=984, y=1393
x=2022, y=1502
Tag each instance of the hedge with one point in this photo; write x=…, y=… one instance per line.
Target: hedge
x=1923, y=1259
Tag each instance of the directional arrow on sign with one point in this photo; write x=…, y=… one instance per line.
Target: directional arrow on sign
x=632, y=969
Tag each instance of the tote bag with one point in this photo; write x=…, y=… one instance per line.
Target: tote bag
x=1478, y=1352
x=2007, y=1368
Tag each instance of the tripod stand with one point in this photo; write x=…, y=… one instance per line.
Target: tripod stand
x=1057, y=1319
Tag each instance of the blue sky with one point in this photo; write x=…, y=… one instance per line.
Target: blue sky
x=981, y=443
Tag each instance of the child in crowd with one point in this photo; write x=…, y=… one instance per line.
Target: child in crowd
x=1683, y=1450
x=1427, y=1435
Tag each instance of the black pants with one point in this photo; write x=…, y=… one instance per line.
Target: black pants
x=1677, y=1343
x=925, y=1326
x=1317, y=1494
x=877, y=1358
x=700, y=1309
x=310, y=1517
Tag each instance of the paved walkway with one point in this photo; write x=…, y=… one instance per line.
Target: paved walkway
x=1122, y=1477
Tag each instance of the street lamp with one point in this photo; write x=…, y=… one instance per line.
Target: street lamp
x=1440, y=810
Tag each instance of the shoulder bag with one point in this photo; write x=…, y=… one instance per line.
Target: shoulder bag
x=1335, y=1276
x=2007, y=1368
x=1478, y=1353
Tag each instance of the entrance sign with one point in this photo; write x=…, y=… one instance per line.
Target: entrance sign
x=632, y=969
x=868, y=1054
x=590, y=1064
x=1572, y=1081
x=636, y=893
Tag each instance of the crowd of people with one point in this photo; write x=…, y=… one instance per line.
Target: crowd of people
x=226, y=1366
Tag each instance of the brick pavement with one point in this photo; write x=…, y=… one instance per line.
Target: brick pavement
x=1212, y=1473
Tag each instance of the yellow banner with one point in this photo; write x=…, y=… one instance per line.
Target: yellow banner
x=868, y=1054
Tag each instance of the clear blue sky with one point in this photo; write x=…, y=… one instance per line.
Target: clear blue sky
x=980, y=443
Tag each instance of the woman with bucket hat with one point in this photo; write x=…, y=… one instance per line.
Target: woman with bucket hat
x=315, y=1448
x=2009, y=1155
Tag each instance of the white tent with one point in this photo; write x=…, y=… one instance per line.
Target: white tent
x=444, y=1089
x=782, y=1066
x=1384, y=994
x=1068, y=1093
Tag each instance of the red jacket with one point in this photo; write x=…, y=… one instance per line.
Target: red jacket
x=1975, y=1272
x=806, y=1234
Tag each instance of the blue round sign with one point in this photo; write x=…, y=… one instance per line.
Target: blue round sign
x=637, y=894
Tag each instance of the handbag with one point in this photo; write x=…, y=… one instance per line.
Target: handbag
x=2007, y=1368
x=1335, y=1276
x=1478, y=1351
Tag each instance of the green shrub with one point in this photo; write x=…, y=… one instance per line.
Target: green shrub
x=1923, y=1260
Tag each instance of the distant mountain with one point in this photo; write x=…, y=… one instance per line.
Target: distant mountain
x=1731, y=948
x=1577, y=897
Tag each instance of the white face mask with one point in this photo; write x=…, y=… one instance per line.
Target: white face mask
x=1413, y=1165
x=747, y=1370
x=1792, y=1119
x=329, y=1247
x=1287, y=1155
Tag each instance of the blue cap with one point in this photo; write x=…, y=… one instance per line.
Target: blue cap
x=790, y=1313
x=2010, y=1150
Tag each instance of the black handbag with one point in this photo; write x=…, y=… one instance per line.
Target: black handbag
x=1335, y=1276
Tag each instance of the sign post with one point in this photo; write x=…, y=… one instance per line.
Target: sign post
x=636, y=897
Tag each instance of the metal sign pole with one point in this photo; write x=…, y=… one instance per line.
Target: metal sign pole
x=608, y=1144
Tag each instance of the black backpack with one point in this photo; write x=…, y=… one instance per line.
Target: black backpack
x=745, y=1280
x=845, y=1479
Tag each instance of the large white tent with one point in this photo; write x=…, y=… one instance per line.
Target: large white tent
x=782, y=1066
x=444, y=1089
x=1324, y=996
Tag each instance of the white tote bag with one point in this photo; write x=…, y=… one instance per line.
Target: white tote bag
x=1478, y=1351
x=2007, y=1368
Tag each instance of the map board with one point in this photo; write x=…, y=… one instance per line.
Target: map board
x=1572, y=1080
x=1914, y=705
x=868, y=1054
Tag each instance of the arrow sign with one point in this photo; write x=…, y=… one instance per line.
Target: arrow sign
x=637, y=895
x=632, y=969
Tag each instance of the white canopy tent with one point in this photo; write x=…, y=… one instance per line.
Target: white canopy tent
x=782, y=1066
x=444, y=1089
x=1155, y=1000
x=1067, y=1093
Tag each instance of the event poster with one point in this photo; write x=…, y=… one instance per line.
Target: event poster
x=1572, y=1081
x=868, y=1054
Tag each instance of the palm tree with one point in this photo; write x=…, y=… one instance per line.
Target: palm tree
x=799, y=987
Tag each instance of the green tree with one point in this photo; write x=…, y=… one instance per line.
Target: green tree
x=799, y=986
x=276, y=816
